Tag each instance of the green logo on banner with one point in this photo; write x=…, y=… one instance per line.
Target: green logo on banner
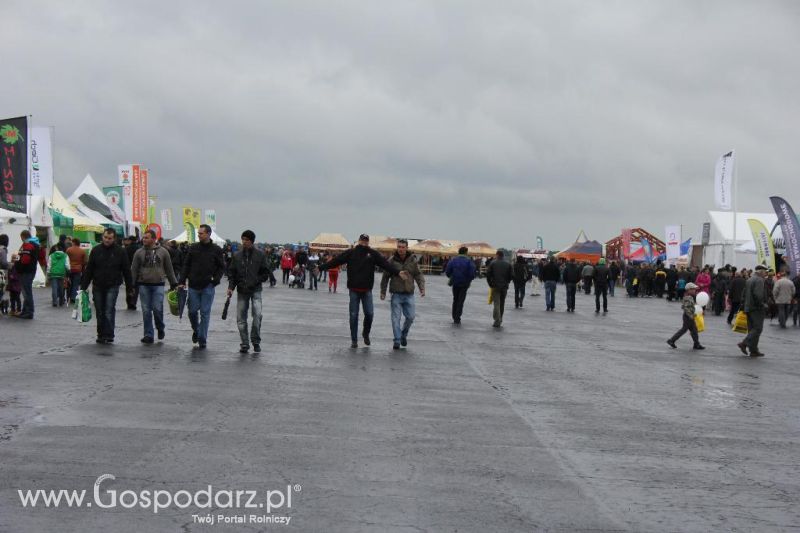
x=10, y=134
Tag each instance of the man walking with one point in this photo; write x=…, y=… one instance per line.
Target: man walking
x=150, y=268
x=587, y=274
x=550, y=277
x=783, y=293
x=203, y=266
x=521, y=277
x=108, y=267
x=27, y=259
x=600, y=278
x=735, y=295
x=755, y=305
x=461, y=270
x=248, y=271
x=402, y=292
x=77, y=264
x=361, y=261
x=613, y=277
x=132, y=294
x=572, y=276
x=499, y=275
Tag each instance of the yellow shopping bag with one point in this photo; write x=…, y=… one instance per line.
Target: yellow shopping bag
x=740, y=322
x=491, y=296
x=700, y=323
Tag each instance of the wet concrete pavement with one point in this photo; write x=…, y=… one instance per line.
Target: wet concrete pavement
x=557, y=422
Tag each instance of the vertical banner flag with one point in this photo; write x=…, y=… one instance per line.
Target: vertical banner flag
x=140, y=194
x=791, y=232
x=151, y=209
x=723, y=180
x=126, y=182
x=115, y=203
x=191, y=221
x=14, y=164
x=673, y=241
x=706, y=238
x=648, y=250
x=539, y=243
x=627, y=235
x=211, y=218
x=764, y=247
x=166, y=219
x=41, y=161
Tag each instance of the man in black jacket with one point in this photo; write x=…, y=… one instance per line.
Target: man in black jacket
x=361, y=261
x=735, y=294
x=132, y=294
x=521, y=276
x=499, y=275
x=550, y=276
x=572, y=275
x=108, y=266
x=247, y=271
x=600, y=279
x=203, y=267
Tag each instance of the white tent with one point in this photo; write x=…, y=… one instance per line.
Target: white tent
x=183, y=237
x=89, y=200
x=718, y=251
x=39, y=218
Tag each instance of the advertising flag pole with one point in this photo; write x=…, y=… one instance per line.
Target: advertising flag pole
x=30, y=176
x=735, y=207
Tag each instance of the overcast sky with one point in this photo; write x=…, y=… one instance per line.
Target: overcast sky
x=494, y=121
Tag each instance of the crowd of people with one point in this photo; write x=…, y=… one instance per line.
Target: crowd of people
x=148, y=266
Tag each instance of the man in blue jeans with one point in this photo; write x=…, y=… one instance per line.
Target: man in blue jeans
x=107, y=268
x=402, y=292
x=550, y=277
x=247, y=273
x=361, y=261
x=150, y=267
x=203, y=267
x=460, y=270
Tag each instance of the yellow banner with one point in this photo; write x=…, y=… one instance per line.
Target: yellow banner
x=764, y=247
x=191, y=221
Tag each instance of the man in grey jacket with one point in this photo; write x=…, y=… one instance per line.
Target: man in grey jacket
x=402, y=292
x=755, y=308
x=499, y=275
x=782, y=293
x=150, y=267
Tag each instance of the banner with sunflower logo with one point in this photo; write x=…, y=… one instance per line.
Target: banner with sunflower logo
x=14, y=164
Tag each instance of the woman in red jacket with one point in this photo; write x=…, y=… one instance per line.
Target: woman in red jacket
x=333, y=278
x=703, y=282
x=287, y=263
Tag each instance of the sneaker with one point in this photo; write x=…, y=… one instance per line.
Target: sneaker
x=395, y=346
x=147, y=340
x=366, y=340
x=201, y=345
x=756, y=354
x=671, y=343
x=244, y=348
x=354, y=344
x=256, y=348
x=161, y=334
x=100, y=340
x=743, y=347
x=109, y=340
x=698, y=347
x=194, y=337
x=403, y=341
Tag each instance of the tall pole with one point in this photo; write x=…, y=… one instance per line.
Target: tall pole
x=28, y=169
x=735, y=207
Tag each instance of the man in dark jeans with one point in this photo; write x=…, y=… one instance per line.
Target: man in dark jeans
x=521, y=276
x=28, y=258
x=600, y=279
x=461, y=270
x=132, y=294
x=572, y=275
x=361, y=261
x=499, y=275
x=107, y=268
x=735, y=295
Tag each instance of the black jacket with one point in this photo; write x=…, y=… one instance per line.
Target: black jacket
x=202, y=266
x=499, y=274
x=613, y=272
x=361, y=262
x=601, y=276
x=176, y=257
x=572, y=274
x=736, y=291
x=108, y=266
x=247, y=271
x=521, y=272
x=550, y=272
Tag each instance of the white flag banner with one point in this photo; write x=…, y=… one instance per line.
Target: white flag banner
x=166, y=219
x=723, y=181
x=673, y=242
x=41, y=161
x=211, y=218
x=126, y=182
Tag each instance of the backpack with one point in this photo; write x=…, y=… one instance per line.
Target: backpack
x=681, y=283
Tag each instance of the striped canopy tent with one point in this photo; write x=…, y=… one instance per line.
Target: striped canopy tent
x=478, y=249
x=385, y=244
x=429, y=247
x=329, y=241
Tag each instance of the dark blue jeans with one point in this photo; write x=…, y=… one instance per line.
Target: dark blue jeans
x=152, y=298
x=201, y=300
x=26, y=280
x=74, y=285
x=365, y=299
x=105, y=307
x=550, y=294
